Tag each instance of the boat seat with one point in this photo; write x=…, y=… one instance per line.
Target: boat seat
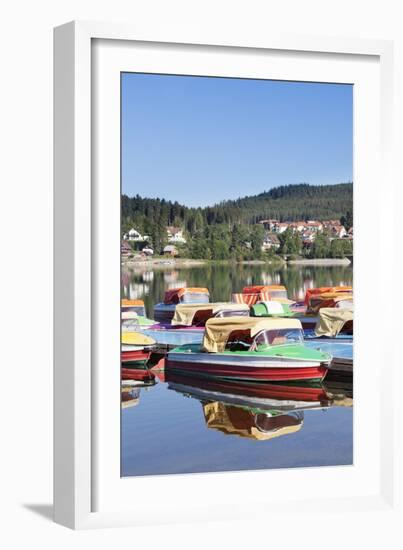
x=238, y=346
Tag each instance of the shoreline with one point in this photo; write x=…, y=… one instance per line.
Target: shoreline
x=320, y=261
x=188, y=262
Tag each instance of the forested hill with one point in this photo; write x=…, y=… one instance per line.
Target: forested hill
x=285, y=203
x=296, y=202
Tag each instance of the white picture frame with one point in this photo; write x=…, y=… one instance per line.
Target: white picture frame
x=88, y=491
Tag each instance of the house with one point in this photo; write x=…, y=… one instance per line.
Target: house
x=175, y=235
x=336, y=231
x=314, y=225
x=133, y=235
x=274, y=226
x=300, y=226
x=170, y=250
x=330, y=223
x=270, y=241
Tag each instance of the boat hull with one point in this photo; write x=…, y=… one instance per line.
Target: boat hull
x=135, y=357
x=163, y=313
x=307, y=322
x=244, y=368
x=175, y=329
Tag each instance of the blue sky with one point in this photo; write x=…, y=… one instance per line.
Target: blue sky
x=201, y=140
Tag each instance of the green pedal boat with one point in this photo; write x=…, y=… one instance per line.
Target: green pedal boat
x=247, y=348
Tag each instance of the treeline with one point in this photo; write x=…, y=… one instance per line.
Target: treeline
x=322, y=247
x=224, y=242
x=230, y=230
x=241, y=242
x=285, y=203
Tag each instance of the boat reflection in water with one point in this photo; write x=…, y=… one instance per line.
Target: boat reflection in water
x=257, y=411
x=131, y=389
x=130, y=397
x=233, y=420
x=136, y=376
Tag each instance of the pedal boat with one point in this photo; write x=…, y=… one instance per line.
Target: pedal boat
x=251, y=295
x=189, y=320
x=134, y=306
x=271, y=308
x=136, y=348
x=335, y=323
x=247, y=348
x=316, y=302
x=133, y=316
x=331, y=324
x=195, y=316
x=132, y=322
x=164, y=311
x=325, y=290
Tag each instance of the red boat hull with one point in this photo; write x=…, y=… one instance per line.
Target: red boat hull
x=135, y=356
x=234, y=372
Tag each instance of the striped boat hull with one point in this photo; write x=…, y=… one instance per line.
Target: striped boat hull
x=135, y=356
x=243, y=368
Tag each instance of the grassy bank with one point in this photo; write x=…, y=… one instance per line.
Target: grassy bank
x=188, y=262
x=320, y=261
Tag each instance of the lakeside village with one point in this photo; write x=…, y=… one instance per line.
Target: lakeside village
x=267, y=240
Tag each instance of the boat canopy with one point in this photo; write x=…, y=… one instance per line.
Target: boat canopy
x=190, y=314
x=323, y=289
x=332, y=320
x=133, y=306
x=127, y=303
x=175, y=295
x=128, y=315
x=256, y=289
x=330, y=300
x=136, y=339
x=271, y=308
x=218, y=331
x=260, y=293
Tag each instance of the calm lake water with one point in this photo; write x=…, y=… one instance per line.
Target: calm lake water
x=181, y=425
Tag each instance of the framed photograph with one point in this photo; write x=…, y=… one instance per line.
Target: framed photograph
x=221, y=225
